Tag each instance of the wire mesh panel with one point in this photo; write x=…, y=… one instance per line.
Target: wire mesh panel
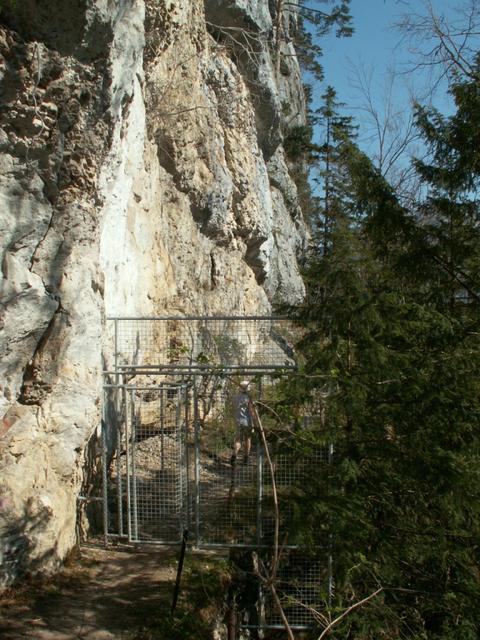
x=226, y=505
x=303, y=584
x=299, y=467
x=191, y=342
x=293, y=472
x=234, y=498
x=149, y=474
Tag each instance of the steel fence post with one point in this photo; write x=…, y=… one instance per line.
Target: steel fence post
x=104, y=473
x=133, y=435
x=197, y=464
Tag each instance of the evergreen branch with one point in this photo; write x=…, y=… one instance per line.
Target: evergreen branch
x=302, y=7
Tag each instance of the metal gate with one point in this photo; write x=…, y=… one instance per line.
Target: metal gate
x=168, y=433
x=171, y=467
x=146, y=483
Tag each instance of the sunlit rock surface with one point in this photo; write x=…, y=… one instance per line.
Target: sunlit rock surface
x=142, y=173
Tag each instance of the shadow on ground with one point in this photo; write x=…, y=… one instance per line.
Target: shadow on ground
x=105, y=594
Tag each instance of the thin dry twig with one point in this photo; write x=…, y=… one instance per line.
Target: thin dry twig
x=266, y=448
x=269, y=577
x=438, y=42
x=339, y=618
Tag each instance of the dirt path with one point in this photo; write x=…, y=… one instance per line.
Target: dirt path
x=106, y=594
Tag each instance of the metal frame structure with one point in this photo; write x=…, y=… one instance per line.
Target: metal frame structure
x=167, y=440
x=145, y=491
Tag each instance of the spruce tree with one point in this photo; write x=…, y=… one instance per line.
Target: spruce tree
x=391, y=348
x=450, y=214
x=336, y=131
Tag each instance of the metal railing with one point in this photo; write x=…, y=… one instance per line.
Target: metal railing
x=167, y=442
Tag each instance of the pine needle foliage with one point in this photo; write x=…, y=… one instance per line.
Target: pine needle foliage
x=390, y=350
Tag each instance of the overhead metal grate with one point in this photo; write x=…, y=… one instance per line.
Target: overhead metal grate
x=200, y=343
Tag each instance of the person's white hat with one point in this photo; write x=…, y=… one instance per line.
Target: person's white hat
x=244, y=384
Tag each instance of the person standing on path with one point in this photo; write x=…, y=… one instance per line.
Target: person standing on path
x=243, y=415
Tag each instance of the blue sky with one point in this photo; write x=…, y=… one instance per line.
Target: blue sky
x=375, y=45
x=375, y=48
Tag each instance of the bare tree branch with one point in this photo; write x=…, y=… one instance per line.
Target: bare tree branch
x=339, y=618
x=448, y=45
x=276, y=555
x=389, y=129
x=269, y=578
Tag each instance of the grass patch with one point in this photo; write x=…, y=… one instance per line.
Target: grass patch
x=200, y=604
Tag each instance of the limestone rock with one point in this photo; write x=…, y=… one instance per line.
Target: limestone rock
x=142, y=173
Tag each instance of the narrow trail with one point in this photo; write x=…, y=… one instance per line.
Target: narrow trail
x=102, y=594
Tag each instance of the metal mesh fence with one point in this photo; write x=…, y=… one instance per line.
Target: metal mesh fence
x=173, y=468
x=148, y=482
x=303, y=586
x=191, y=342
x=293, y=472
x=234, y=503
x=172, y=430
x=226, y=491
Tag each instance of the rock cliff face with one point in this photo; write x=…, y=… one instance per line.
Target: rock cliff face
x=142, y=172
